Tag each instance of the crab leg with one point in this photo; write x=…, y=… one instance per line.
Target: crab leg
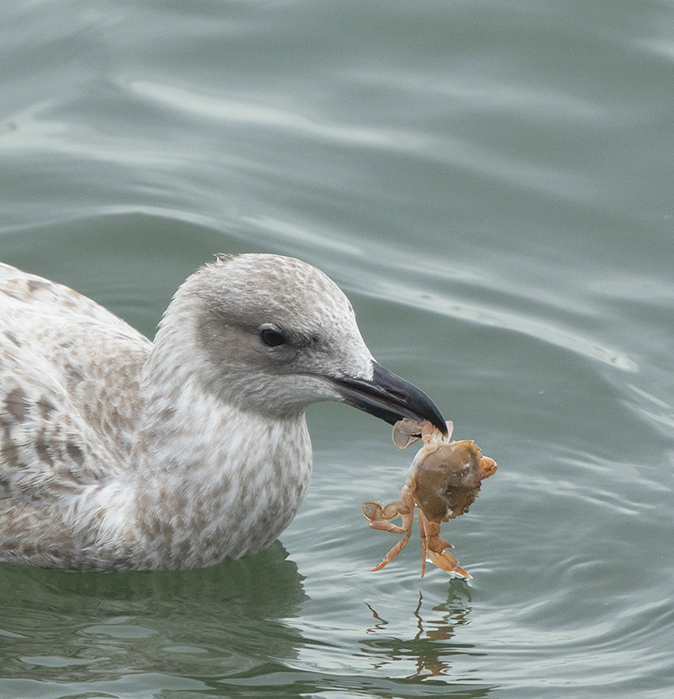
x=424, y=542
x=406, y=529
x=433, y=544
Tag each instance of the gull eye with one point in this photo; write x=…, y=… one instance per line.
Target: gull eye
x=272, y=338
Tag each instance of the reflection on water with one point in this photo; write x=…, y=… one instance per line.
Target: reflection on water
x=434, y=643
x=99, y=628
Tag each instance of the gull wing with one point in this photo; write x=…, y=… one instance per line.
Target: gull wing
x=69, y=376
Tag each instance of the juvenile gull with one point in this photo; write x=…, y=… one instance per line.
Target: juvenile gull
x=118, y=453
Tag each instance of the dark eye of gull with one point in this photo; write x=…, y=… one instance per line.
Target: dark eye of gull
x=272, y=338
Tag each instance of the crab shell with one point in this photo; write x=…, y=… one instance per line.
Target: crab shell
x=445, y=478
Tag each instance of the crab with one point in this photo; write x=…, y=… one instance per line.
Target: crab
x=443, y=482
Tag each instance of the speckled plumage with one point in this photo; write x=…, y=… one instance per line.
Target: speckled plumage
x=117, y=453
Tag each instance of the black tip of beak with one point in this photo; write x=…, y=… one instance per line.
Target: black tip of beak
x=390, y=398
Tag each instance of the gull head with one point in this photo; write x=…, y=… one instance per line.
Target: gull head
x=273, y=334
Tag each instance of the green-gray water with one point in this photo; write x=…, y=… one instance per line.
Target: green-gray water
x=491, y=182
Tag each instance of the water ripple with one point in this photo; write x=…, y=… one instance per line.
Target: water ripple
x=259, y=114
x=475, y=312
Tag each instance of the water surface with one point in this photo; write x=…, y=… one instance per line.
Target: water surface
x=491, y=183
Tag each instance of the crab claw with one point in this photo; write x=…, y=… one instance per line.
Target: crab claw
x=406, y=432
x=376, y=513
x=372, y=510
x=487, y=467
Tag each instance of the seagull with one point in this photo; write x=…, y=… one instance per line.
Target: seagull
x=118, y=453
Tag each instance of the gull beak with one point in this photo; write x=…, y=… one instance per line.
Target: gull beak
x=389, y=398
